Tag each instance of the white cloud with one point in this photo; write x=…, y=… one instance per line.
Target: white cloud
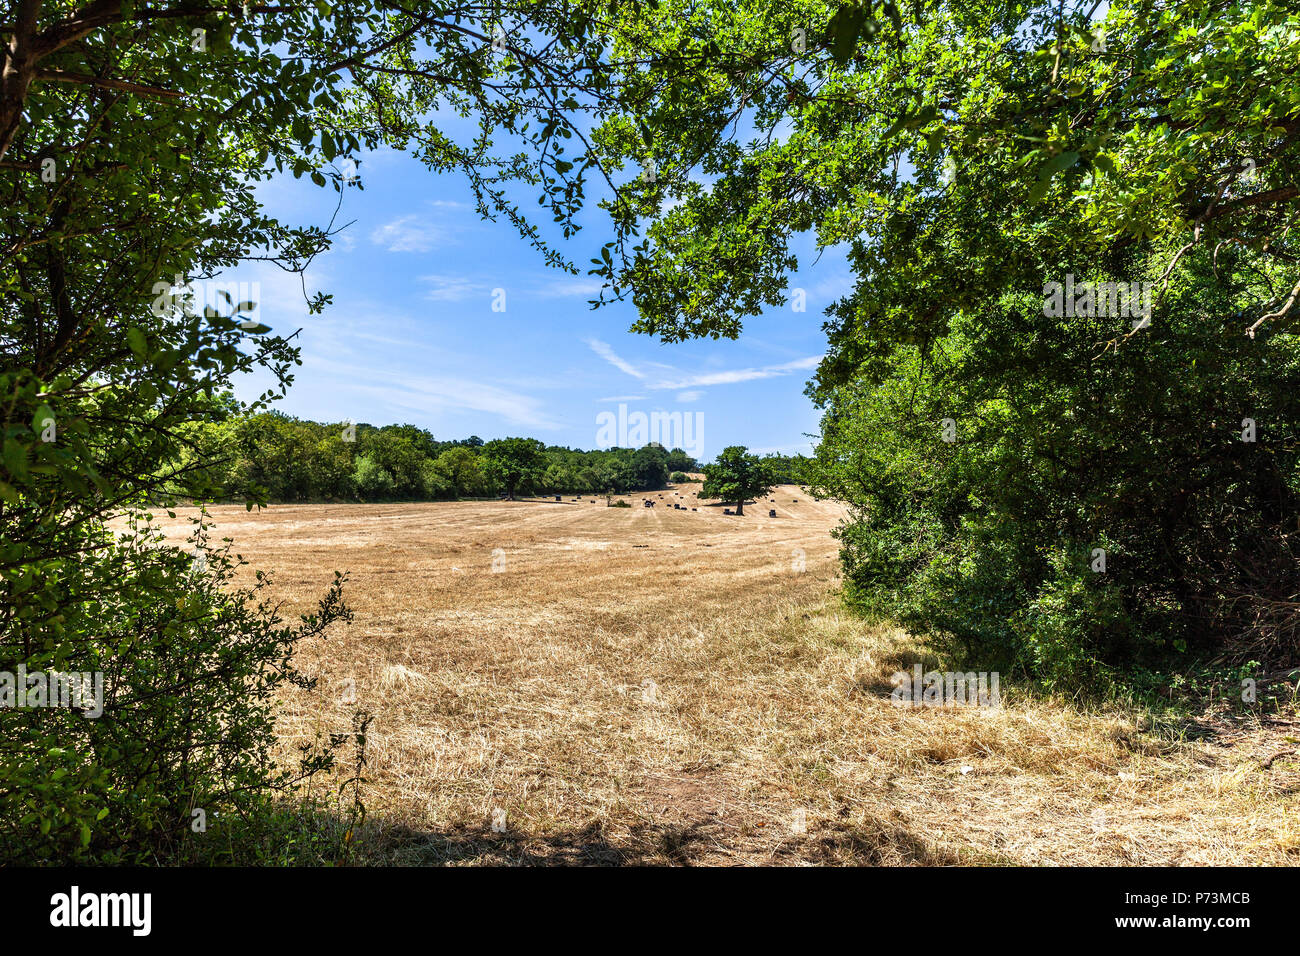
x=622, y=398
x=689, y=385
x=587, y=288
x=452, y=288
x=733, y=376
x=833, y=288
x=411, y=233
x=432, y=394
x=610, y=356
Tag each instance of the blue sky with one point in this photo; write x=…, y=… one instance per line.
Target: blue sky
x=412, y=336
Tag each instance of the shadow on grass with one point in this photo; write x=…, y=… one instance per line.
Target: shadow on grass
x=700, y=843
x=316, y=834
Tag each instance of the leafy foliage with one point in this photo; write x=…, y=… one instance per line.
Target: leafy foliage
x=132, y=141
x=736, y=476
x=280, y=458
x=191, y=663
x=1057, y=454
x=963, y=157
x=513, y=462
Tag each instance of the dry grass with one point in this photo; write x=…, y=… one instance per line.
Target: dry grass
x=658, y=686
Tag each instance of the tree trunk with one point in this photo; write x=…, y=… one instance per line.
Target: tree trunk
x=18, y=64
x=740, y=506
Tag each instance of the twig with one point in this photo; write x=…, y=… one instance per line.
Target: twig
x=1286, y=307
x=1268, y=764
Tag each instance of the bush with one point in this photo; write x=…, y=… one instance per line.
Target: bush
x=1075, y=622
x=372, y=480
x=433, y=483
x=188, y=720
x=677, y=477
x=1061, y=452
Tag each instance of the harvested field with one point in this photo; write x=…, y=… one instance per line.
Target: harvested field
x=651, y=685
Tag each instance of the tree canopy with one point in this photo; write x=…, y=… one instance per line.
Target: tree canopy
x=133, y=139
x=1073, y=488
x=736, y=476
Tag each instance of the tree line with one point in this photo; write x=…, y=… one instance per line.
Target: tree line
x=274, y=457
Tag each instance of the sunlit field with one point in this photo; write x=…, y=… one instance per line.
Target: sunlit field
x=566, y=682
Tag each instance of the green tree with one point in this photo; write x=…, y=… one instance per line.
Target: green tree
x=332, y=464
x=460, y=467
x=433, y=483
x=678, y=460
x=966, y=157
x=398, y=455
x=649, y=468
x=275, y=453
x=133, y=140
x=557, y=478
x=373, y=481
x=736, y=476
x=514, y=463
x=907, y=138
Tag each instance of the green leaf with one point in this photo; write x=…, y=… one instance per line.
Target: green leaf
x=135, y=338
x=15, y=458
x=1056, y=164
x=43, y=413
x=925, y=115
x=845, y=28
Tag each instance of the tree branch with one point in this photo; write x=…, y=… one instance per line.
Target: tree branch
x=63, y=76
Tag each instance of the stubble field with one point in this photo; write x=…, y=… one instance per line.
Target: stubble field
x=572, y=683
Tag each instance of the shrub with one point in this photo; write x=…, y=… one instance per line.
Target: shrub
x=188, y=718
x=433, y=483
x=372, y=480
x=1062, y=451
